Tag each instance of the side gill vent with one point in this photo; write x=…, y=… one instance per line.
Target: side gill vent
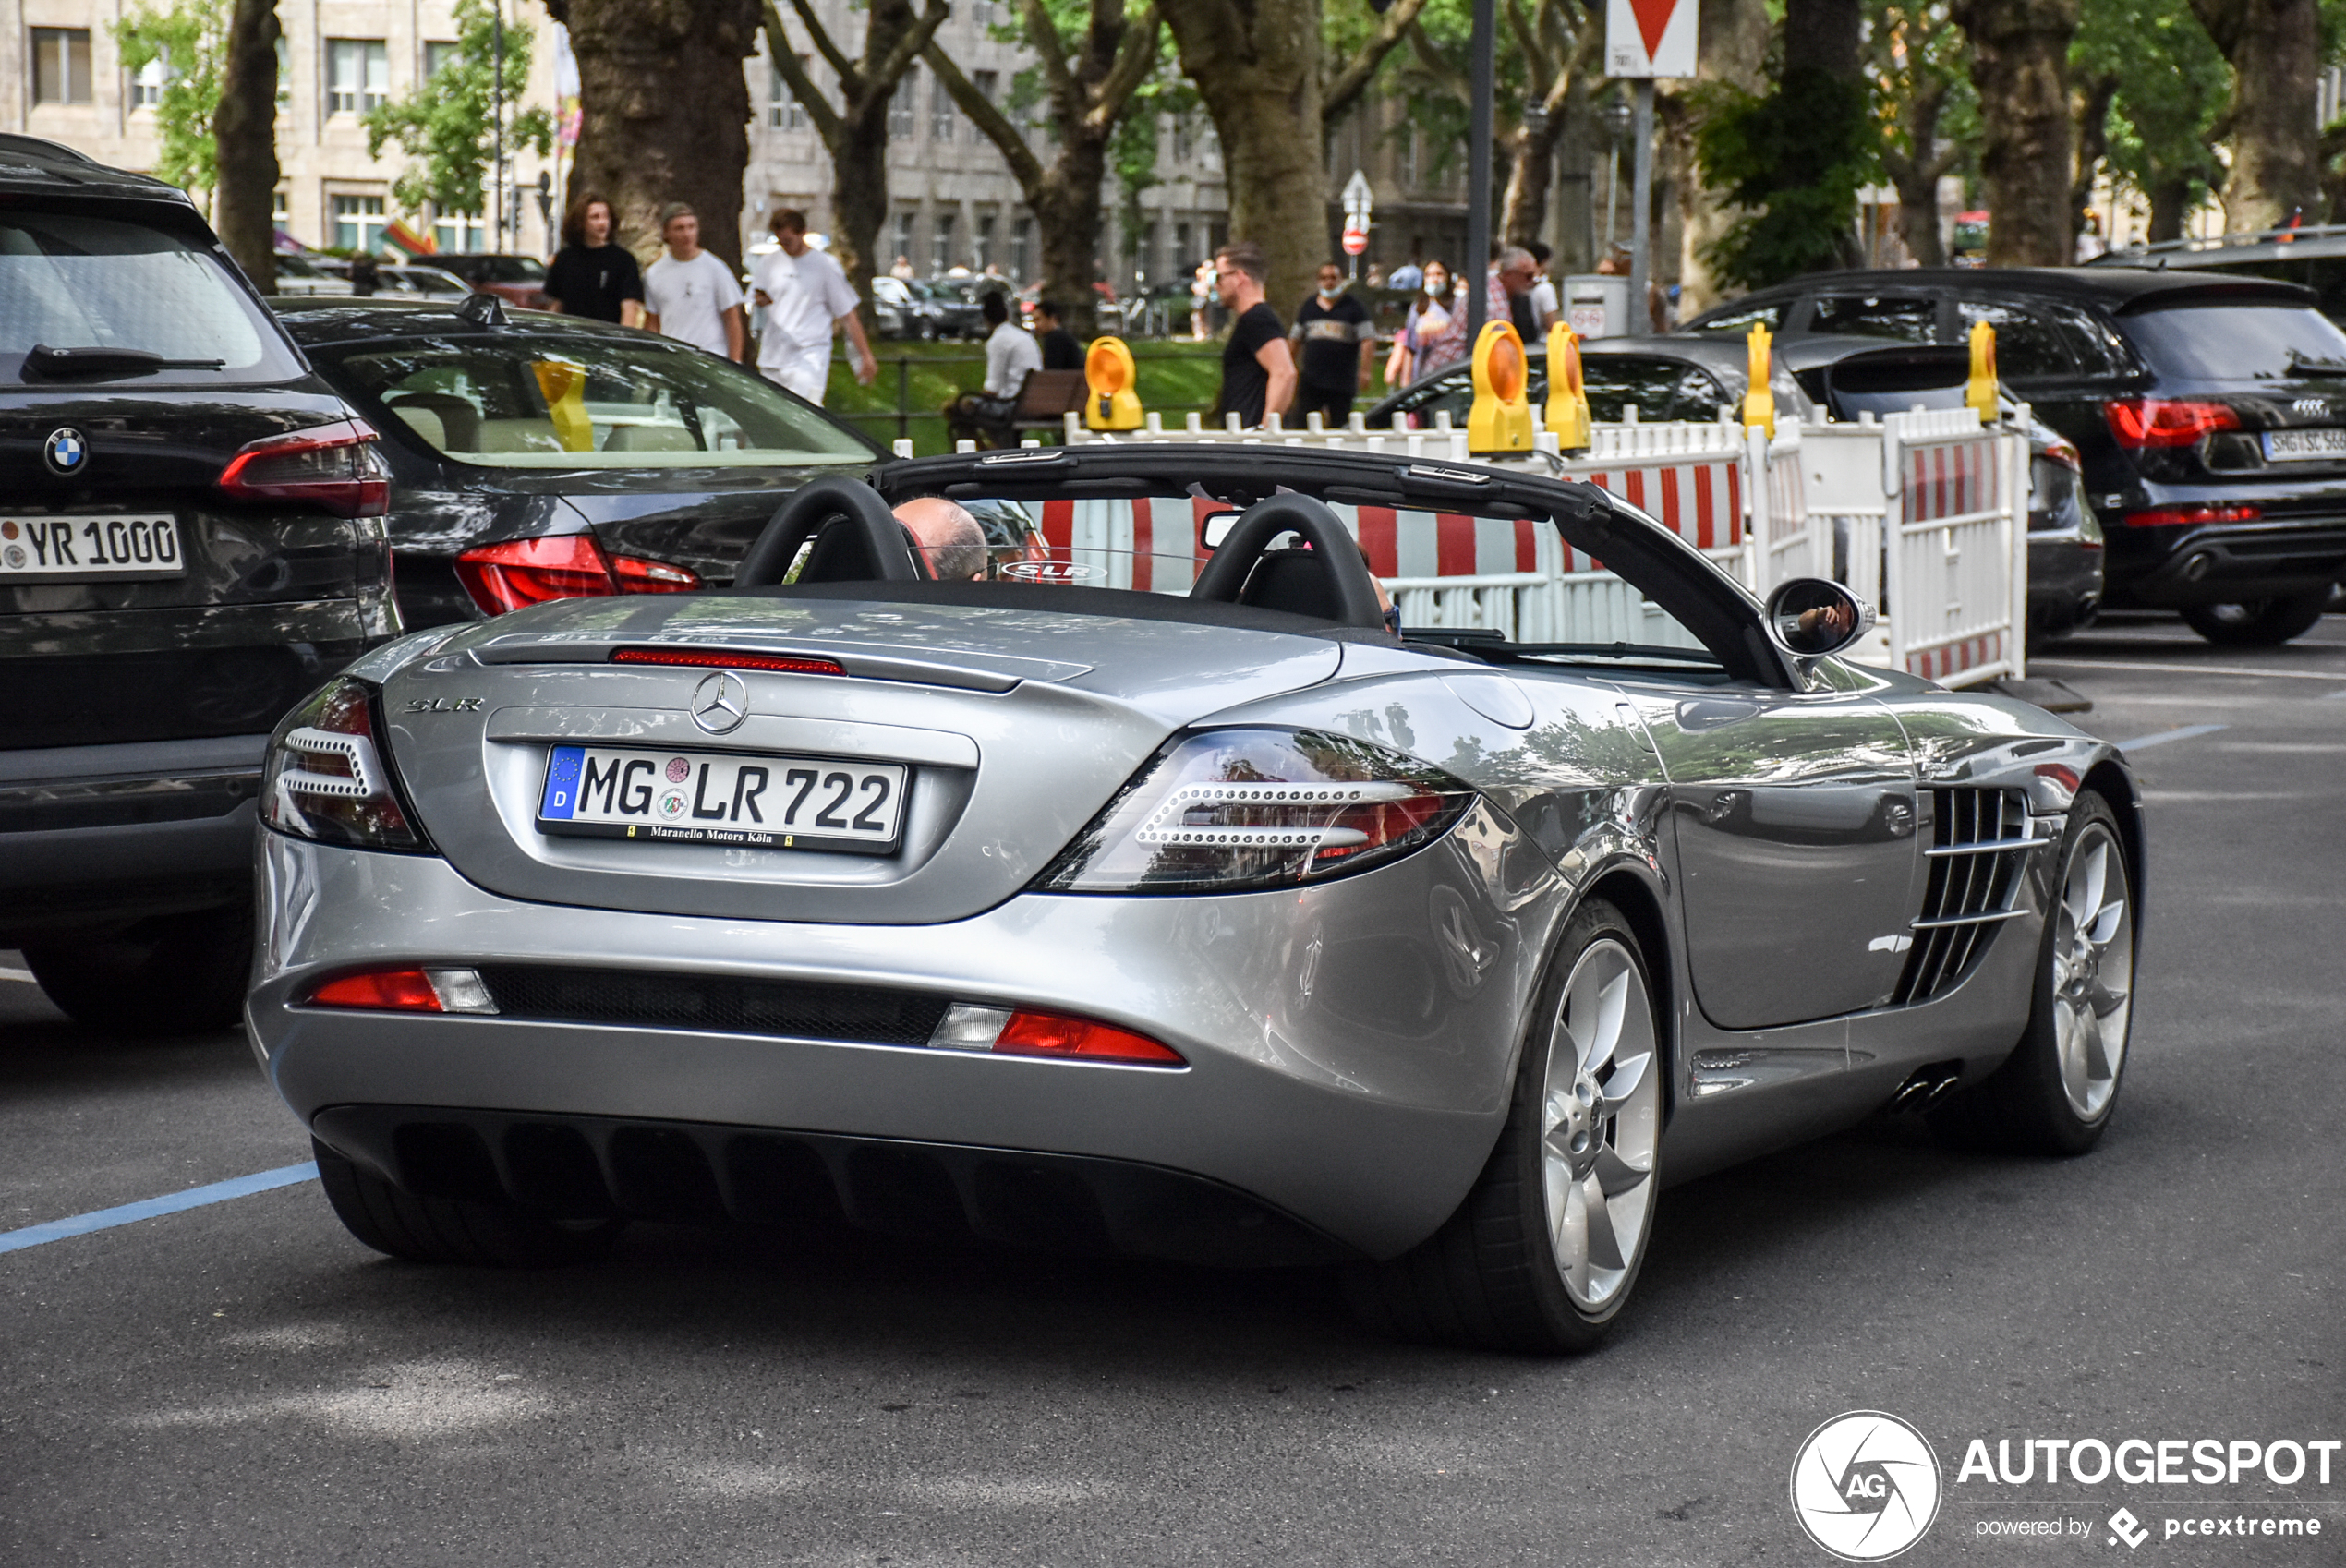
x=1980, y=842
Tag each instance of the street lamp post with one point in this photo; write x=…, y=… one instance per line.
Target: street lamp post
x=1618, y=114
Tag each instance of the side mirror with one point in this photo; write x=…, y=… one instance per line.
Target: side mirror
x=1811, y=617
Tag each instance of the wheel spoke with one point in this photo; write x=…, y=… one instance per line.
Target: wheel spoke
x=1609, y=998
x=1605, y=1244
x=2092, y=1055
x=2103, y=998
x=1556, y=1143
x=1628, y=1076
x=1617, y=1175
x=1569, y=1205
x=2072, y=1055
x=2106, y=923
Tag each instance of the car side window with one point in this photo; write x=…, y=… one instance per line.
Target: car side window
x=1901, y=317
x=1661, y=389
x=2036, y=341
x=1738, y=323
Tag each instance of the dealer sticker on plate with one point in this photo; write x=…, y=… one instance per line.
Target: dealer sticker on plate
x=778, y=802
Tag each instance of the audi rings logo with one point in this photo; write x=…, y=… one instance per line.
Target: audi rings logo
x=1865, y=1486
x=720, y=702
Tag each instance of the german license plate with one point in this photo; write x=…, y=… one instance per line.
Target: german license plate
x=76, y=547
x=2304, y=446
x=777, y=802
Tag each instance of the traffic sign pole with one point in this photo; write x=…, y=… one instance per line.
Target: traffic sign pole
x=1478, y=257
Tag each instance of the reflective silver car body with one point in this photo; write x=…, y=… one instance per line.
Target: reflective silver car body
x=1350, y=1045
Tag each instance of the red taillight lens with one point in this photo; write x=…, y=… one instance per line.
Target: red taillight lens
x=330, y=467
x=389, y=990
x=2140, y=422
x=2192, y=516
x=328, y=777
x=719, y=659
x=561, y=566
x=1047, y=1034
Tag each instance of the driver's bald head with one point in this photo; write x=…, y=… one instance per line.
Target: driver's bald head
x=950, y=539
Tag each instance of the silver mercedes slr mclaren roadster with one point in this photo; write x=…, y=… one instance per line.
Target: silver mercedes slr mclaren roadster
x=1156, y=898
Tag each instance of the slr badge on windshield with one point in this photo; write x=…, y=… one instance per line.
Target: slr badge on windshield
x=66, y=451
x=720, y=702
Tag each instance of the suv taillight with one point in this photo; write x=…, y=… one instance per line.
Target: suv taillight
x=332, y=466
x=561, y=566
x=2140, y=422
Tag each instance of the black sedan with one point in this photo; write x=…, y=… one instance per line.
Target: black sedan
x=539, y=457
x=2209, y=410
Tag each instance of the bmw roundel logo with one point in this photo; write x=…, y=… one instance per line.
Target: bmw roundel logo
x=68, y=450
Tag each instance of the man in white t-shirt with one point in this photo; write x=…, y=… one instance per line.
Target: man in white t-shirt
x=1011, y=353
x=689, y=294
x=803, y=297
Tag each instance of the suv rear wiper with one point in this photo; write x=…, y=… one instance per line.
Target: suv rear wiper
x=2310, y=367
x=100, y=360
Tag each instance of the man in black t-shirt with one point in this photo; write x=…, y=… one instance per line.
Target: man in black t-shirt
x=1258, y=373
x=1060, y=351
x=1336, y=342
x=590, y=276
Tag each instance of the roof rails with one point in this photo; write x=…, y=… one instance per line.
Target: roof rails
x=41, y=147
x=2221, y=242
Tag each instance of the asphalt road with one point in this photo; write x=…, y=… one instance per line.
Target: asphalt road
x=242, y=1383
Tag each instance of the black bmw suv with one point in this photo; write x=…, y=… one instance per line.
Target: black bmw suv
x=2208, y=411
x=190, y=540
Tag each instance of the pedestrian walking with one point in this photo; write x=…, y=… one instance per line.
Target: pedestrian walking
x=804, y=298
x=1335, y=343
x=689, y=294
x=1507, y=287
x=1433, y=337
x=1258, y=373
x=591, y=276
x=1200, y=291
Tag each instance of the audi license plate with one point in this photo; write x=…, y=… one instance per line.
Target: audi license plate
x=2306, y=446
x=121, y=544
x=777, y=802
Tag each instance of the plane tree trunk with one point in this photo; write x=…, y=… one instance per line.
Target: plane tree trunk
x=244, y=131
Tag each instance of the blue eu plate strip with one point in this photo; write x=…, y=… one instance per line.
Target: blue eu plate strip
x=149, y=1208
x=561, y=784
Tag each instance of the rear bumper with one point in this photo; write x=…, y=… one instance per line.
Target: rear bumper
x=1346, y=1075
x=2164, y=568
x=97, y=836
x=2066, y=579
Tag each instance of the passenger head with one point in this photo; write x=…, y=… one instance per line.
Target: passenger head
x=993, y=308
x=951, y=541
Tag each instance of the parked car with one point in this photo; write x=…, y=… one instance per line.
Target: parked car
x=517, y=280
x=1222, y=925
x=952, y=305
x=2313, y=256
x=2207, y=411
x=896, y=312
x=191, y=540
x=391, y=277
x=538, y=456
x=305, y=274
x=1817, y=377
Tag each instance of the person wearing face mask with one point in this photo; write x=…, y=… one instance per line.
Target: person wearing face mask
x=1334, y=343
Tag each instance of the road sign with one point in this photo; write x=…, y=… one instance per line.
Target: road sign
x=1355, y=240
x=1358, y=201
x=1649, y=38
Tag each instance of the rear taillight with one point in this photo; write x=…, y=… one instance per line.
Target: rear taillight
x=330, y=467
x=561, y=566
x=407, y=991
x=1002, y=1033
x=2146, y=422
x=2192, y=516
x=722, y=658
x=327, y=780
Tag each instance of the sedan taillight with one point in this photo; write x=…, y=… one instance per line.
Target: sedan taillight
x=561, y=566
x=331, y=467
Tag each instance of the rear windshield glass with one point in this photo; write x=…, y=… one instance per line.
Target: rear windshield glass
x=75, y=280
x=2239, y=342
x=533, y=401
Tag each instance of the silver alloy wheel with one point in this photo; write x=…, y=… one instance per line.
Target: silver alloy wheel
x=2092, y=972
x=1599, y=1122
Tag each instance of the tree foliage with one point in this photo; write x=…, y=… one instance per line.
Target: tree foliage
x=1923, y=101
x=2170, y=87
x=1794, y=159
x=448, y=126
x=189, y=40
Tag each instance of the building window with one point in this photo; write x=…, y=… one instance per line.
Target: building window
x=783, y=110
x=435, y=56
x=1181, y=138
x=940, y=110
x=284, y=73
x=1023, y=248
x=941, y=242
x=1181, y=247
x=1148, y=250
x=61, y=65
x=900, y=108
x=986, y=255
x=357, y=75
x=988, y=85
x=146, y=83
x=904, y=237
x=281, y=208
x=461, y=233
x=358, y=222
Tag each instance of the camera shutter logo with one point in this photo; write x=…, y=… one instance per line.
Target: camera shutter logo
x=1865, y=1486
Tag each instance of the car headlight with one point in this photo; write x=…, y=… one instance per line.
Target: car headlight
x=328, y=779
x=1227, y=810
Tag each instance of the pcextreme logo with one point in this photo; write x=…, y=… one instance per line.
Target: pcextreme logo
x=1865, y=1486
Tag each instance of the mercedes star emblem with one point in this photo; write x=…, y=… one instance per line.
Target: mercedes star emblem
x=720, y=702
x=68, y=452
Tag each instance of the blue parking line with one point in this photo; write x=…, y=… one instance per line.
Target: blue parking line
x=148, y=1208
x=2186, y=734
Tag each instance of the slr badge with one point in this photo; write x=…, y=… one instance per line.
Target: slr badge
x=720, y=702
x=66, y=451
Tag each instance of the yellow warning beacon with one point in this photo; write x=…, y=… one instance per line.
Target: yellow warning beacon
x=1759, y=396
x=1501, y=418
x=1109, y=375
x=1981, y=392
x=1568, y=410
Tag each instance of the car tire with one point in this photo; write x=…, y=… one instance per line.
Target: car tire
x=2258, y=623
x=1523, y=1265
x=453, y=1230
x=175, y=974
x=2055, y=1093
